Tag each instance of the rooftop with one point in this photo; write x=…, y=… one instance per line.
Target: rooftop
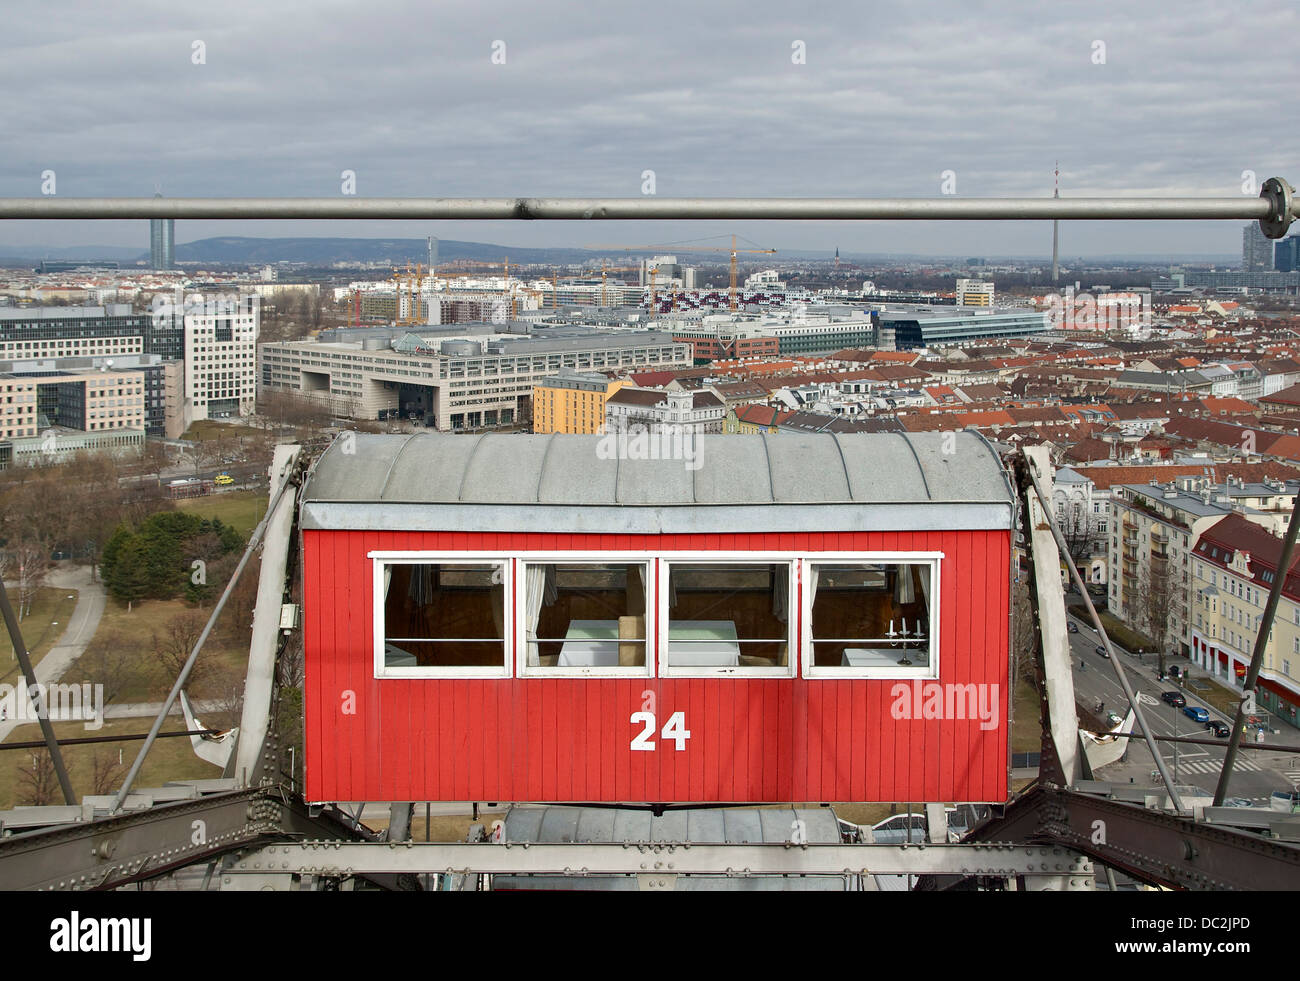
x=724, y=483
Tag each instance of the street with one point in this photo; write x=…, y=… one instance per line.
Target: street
x=1255, y=774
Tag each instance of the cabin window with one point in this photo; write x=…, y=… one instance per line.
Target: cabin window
x=441, y=618
x=727, y=618
x=870, y=618
x=584, y=617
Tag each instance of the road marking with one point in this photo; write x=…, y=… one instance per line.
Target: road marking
x=1145, y=699
x=1213, y=766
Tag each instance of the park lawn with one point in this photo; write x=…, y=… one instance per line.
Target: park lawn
x=135, y=628
x=240, y=509
x=202, y=430
x=51, y=610
x=170, y=759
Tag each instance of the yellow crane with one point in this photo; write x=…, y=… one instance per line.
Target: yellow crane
x=696, y=248
x=606, y=268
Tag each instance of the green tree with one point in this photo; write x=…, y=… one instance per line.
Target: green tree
x=129, y=579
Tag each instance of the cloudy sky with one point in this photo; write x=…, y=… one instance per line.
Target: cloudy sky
x=1133, y=98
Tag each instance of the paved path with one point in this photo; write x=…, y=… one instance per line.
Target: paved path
x=81, y=628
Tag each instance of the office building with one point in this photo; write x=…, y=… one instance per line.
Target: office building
x=28, y=333
x=905, y=327
x=162, y=242
x=468, y=376
x=1256, y=249
x=1286, y=255
x=974, y=293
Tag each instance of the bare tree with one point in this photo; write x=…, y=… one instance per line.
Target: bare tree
x=31, y=561
x=291, y=664
x=225, y=687
x=1024, y=635
x=171, y=648
x=1079, y=531
x=38, y=784
x=1158, y=605
x=108, y=661
x=104, y=772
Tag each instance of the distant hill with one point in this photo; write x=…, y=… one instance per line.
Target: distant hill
x=323, y=251
x=34, y=252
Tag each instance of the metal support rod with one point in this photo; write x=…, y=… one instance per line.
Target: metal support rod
x=89, y=740
x=29, y=675
x=198, y=646
x=564, y=209
x=1101, y=632
x=1194, y=740
x=1257, y=656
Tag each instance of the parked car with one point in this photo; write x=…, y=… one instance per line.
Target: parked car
x=1236, y=802
x=894, y=830
x=1173, y=698
x=1220, y=729
x=1196, y=713
x=1101, y=651
x=1286, y=801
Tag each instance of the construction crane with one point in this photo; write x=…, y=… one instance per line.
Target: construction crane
x=696, y=248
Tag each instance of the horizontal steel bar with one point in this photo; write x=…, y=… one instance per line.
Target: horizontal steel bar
x=923, y=209
x=327, y=858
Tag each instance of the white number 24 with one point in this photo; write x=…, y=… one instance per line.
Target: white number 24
x=674, y=729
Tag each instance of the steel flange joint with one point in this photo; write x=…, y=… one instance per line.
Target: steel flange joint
x=1282, y=196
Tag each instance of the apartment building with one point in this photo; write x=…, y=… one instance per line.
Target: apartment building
x=1234, y=566
x=573, y=402
x=1155, y=528
x=640, y=410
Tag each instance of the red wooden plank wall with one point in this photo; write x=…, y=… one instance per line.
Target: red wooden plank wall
x=549, y=739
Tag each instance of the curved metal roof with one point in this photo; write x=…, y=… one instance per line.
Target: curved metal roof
x=409, y=478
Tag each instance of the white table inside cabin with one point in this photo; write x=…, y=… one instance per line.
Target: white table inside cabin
x=590, y=643
x=395, y=657
x=594, y=643
x=713, y=643
x=881, y=657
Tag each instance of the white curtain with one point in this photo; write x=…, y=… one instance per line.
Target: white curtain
x=539, y=591
x=904, y=588
x=424, y=580
x=781, y=592
x=388, y=579
x=813, y=576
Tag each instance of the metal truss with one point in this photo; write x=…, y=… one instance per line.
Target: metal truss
x=666, y=859
x=1149, y=844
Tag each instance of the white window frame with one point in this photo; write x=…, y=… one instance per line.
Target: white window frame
x=930, y=671
x=379, y=559
x=664, y=560
x=525, y=670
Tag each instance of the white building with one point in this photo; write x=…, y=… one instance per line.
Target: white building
x=220, y=355
x=974, y=293
x=640, y=410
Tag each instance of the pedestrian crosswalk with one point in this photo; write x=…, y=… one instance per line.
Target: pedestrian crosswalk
x=1213, y=766
x=1292, y=776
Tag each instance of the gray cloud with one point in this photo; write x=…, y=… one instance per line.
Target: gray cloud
x=707, y=97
